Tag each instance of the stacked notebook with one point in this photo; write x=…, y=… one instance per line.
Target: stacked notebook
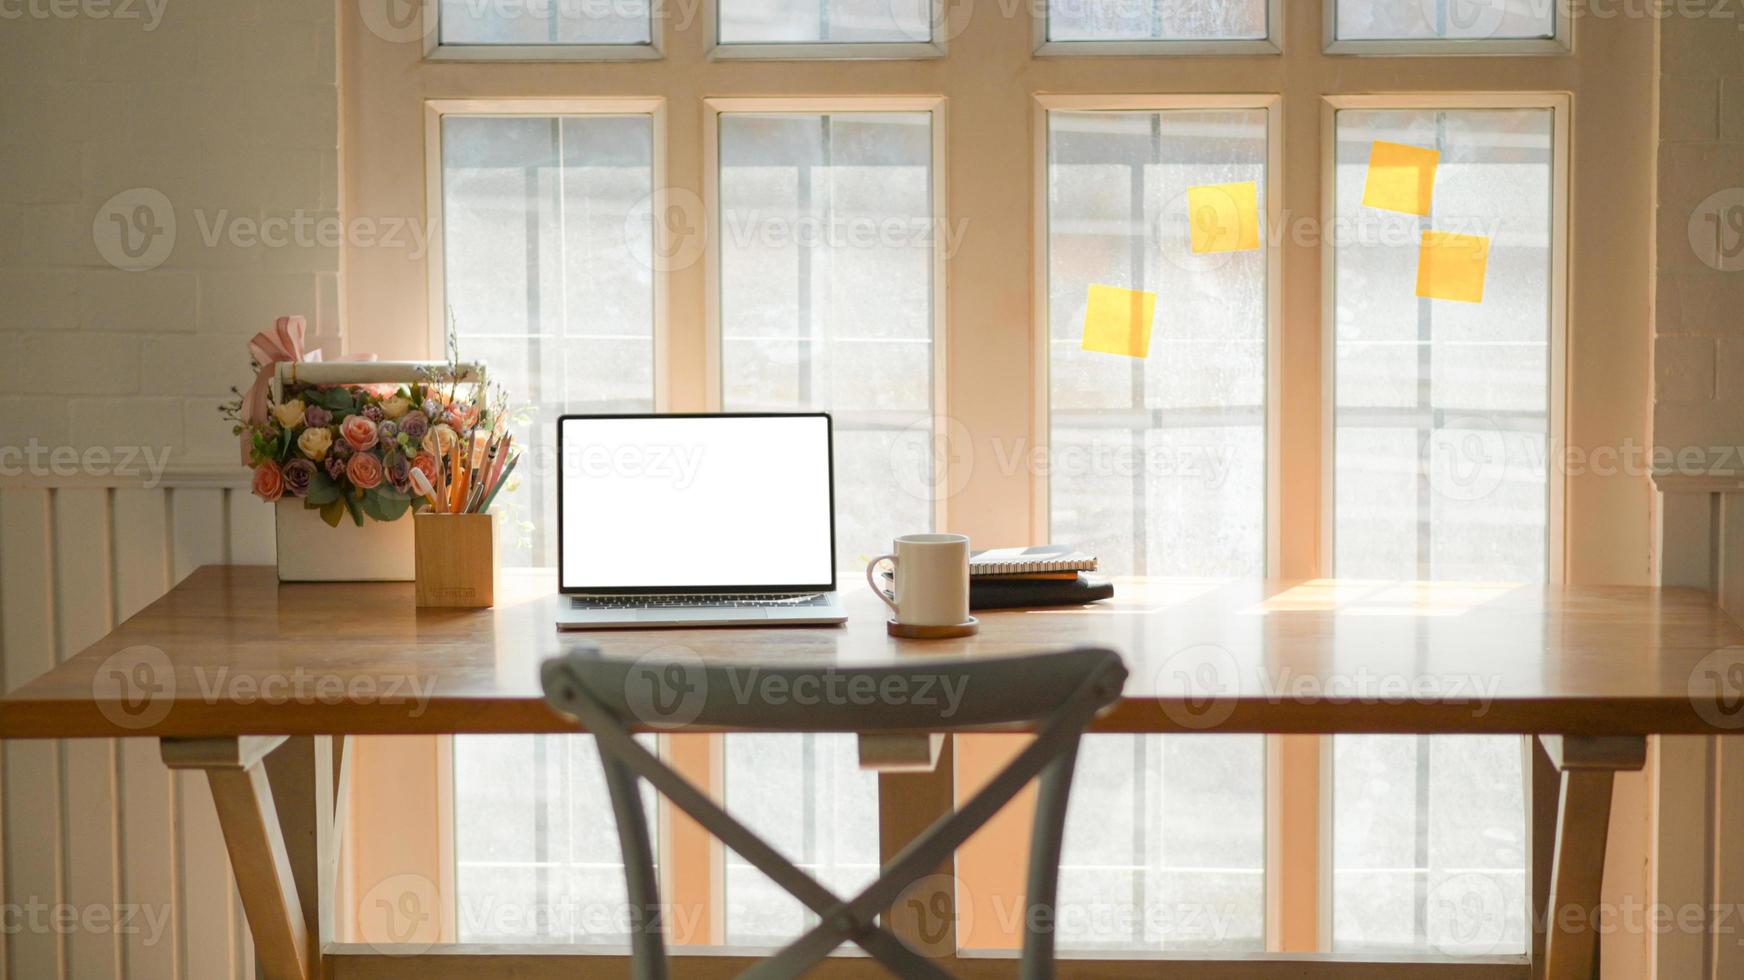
x=1045, y=575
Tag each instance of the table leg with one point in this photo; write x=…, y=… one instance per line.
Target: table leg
x=1587, y=766
x=258, y=856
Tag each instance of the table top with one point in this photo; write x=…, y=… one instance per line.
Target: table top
x=231, y=651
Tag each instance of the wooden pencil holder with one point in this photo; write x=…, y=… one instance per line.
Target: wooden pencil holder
x=456, y=560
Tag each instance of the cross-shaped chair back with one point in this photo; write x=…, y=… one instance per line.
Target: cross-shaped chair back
x=1055, y=695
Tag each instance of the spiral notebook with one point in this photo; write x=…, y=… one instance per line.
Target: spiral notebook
x=1039, y=560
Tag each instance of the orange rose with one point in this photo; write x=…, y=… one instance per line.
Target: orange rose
x=359, y=432
x=269, y=481
x=427, y=465
x=463, y=415
x=364, y=471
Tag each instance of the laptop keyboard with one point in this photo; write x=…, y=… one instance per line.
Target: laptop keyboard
x=760, y=599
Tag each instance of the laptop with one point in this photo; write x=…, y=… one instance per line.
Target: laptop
x=695, y=520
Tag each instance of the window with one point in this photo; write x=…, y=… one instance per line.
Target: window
x=1162, y=27
x=828, y=254
x=552, y=24
x=548, y=276
x=1442, y=424
x=1157, y=464
x=1448, y=27
x=790, y=22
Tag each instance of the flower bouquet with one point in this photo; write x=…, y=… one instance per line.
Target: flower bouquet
x=339, y=442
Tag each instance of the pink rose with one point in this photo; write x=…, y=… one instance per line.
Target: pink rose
x=426, y=464
x=269, y=481
x=364, y=471
x=359, y=432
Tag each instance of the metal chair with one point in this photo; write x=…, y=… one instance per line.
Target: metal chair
x=1055, y=694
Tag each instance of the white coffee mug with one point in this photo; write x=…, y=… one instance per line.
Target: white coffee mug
x=932, y=579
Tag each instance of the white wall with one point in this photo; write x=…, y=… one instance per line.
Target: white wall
x=229, y=110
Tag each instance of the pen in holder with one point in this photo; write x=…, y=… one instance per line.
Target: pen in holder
x=456, y=559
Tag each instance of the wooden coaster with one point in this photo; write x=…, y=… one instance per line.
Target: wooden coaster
x=968, y=627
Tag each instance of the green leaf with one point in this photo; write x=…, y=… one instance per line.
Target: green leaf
x=332, y=511
x=389, y=493
x=338, y=400
x=351, y=505
x=322, y=489
x=392, y=509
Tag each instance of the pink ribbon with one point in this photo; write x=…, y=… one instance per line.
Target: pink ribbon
x=269, y=348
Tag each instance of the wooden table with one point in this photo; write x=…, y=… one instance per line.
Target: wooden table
x=229, y=663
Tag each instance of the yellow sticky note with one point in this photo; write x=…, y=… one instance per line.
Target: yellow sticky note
x=1224, y=217
x=1401, y=178
x=1118, y=321
x=1452, y=266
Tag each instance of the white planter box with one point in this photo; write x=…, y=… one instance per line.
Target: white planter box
x=310, y=551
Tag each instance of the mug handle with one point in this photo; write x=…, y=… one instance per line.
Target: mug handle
x=872, y=567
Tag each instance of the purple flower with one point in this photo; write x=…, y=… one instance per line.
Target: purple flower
x=414, y=425
x=399, y=471
x=373, y=412
x=335, y=466
x=432, y=408
x=316, y=417
x=387, y=431
x=298, y=474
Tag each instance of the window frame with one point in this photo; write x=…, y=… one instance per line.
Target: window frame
x=714, y=329
x=437, y=110
x=1558, y=103
x=1273, y=106
x=932, y=48
x=435, y=51
x=1560, y=42
x=1271, y=44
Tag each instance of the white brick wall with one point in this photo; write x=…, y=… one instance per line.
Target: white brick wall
x=1699, y=350
x=230, y=109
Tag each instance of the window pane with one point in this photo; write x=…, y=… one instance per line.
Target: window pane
x=535, y=846
x=548, y=270
x=1156, y=20
x=547, y=275
x=1454, y=19
x=1157, y=465
x=1442, y=434
x=826, y=239
x=549, y=22
x=826, y=21
x=808, y=796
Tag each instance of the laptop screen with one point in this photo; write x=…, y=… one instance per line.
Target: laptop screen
x=699, y=502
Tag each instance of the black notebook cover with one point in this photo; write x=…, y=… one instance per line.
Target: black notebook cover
x=994, y=593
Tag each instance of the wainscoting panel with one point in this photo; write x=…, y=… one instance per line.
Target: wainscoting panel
x=100, y=826
x=1698, y=864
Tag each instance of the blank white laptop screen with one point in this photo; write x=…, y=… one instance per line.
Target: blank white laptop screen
x=695, y=502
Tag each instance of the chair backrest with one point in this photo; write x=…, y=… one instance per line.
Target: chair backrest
x=923, y=694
